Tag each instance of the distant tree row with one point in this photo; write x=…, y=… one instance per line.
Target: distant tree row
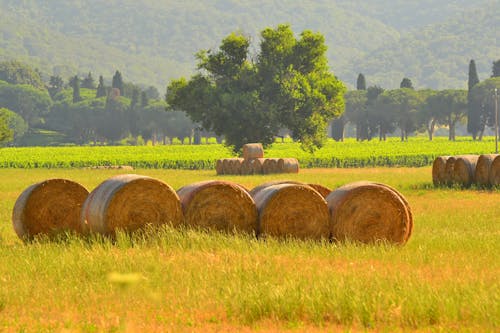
x=374, y=111
x=84, y=111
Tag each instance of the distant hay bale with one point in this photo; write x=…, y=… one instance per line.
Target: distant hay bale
x=368, y=212
x=323, y=190
x=257, y=166
x=235, y=166
x=49, y=208
x=246, y=167
x=439, y=170
x=482, y=172
x=292, y=210
x=226, y=166
x=270, y=166
x=262, y=186
x=218, y=167
x=253, y=150
x=288, y=165
x=464, y=169
x=218, y=205
x=450, y=166
x=495, y=172
x=130, y=202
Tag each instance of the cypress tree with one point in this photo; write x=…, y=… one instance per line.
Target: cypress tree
x=118, y=82
x=74, y=82
x=101, y=89
x=361, y=82
x=473, y=111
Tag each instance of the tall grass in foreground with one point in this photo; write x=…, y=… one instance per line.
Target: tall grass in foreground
x=445, y=278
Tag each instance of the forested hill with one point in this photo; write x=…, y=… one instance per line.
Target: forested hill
x=153, y=41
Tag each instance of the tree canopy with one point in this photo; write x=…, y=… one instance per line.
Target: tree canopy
x=288, y=85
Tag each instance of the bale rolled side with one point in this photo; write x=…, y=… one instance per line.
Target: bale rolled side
x=253, y=150
x=292, y=210
x=219, y=167
x=439, y=170
x=246, y=167
x=226, y=166
x=49, y=208
x=130, y=202
x=270, y=166
x=235, y=166
x=323, y=190
x=218, y=205
x=482, y=172
x=368, y=212
x=262, y=186
x=450, y=168
x=288, y=165
x=464, y=169
x=495, y=172
x=257, y=166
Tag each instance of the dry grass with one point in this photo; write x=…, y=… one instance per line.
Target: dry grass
x=444, y=279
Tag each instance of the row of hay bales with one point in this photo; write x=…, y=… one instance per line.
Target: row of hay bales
x=362, y=211
x=465, y=170
x=254, y=163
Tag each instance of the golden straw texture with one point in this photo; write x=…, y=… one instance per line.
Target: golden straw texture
x=464, y=169
x=439, y=170
x=49, y=207
x=482, y=172
x=253, y=150
x=495, y=172
x=130, y=202
x=292, y=210
x=368, y=212
x=218, y=205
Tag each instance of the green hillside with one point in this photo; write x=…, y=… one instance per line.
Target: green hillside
x=153, y=41
x=438, y=55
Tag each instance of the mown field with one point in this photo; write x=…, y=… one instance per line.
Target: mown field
x=444, y=279
x=417, y=152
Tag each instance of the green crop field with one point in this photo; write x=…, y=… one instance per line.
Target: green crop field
x=416, y=152
x=444, y=279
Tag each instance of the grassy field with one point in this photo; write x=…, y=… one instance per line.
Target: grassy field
x=418, y=151
x=444, y=279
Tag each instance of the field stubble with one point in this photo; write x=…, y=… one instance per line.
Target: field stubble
x=445, y=278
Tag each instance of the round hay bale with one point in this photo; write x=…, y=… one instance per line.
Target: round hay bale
x=218, y=205
x=246, y=167
x=49, y=208
x=368, y=212
x=495, y=172
x=235, y=166
x=482, y=172
x=323, y=190
x=257, y=166
x=464, y=169
x=292, y=210
x=130, y=202
x=226, y=166
x=253, y=150
x=260, y=187
x=449, y=168
x=439, y=170
x=218, y=167
x=270, y=166
x=288, y=165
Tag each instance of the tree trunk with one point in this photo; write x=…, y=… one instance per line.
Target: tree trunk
x=430, y=129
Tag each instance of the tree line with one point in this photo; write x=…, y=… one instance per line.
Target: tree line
x=374, y=111
x=84, y=110
x=239, y=96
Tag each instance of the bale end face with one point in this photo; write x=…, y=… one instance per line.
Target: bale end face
x=49, y=208
x=218, y=205
x=368, y=212
x=130, y=202
x=292, y=210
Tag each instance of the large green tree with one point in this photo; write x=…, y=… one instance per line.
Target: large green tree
x=74, y=83
x=287, y=86
x=474, y=123
x=6, y=133
x=117, y=82
x=101, y=88
x=445, y=107
x=355, y=112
